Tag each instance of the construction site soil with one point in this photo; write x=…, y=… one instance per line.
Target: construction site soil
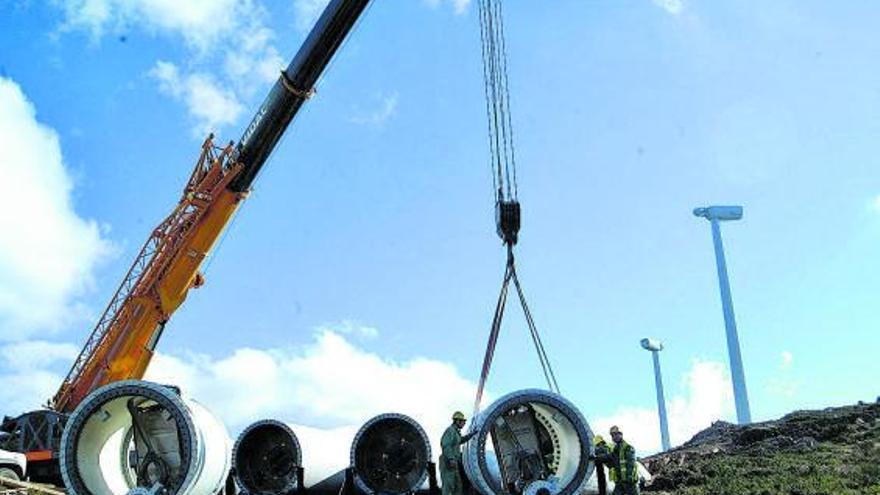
x=835, y=451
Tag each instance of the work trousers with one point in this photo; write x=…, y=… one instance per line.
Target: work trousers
x=625, y=488
x=450, y=479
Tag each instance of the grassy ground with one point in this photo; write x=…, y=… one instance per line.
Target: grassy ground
x=840, y=457
x=830, y=470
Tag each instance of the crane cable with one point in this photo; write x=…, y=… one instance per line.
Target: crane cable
x=502, y=161
x=502, y=155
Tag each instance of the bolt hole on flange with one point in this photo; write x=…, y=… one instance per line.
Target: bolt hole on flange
x=529, y=442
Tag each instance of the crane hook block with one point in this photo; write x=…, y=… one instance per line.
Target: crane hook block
x=507, y=220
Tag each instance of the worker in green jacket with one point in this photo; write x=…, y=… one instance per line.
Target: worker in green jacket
x=622, y=462
x=450, y=459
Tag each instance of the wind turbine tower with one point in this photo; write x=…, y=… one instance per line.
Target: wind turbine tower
x=715, y=215
x=655, y=346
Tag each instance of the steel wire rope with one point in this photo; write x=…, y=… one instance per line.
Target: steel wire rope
x=491, y=97
x=493, y=335
x=546, y=367
x=498, y=90
x=497, y=183
x=503, y=40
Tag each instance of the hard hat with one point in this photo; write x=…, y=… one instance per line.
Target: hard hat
x=614, y=429
x=598, y=439
x=458, y=416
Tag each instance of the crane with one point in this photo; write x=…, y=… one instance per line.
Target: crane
x=167, y=267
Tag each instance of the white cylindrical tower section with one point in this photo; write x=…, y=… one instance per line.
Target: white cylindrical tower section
x=137, y=436
x=390, y=455
x=530, y=442
x=266, y=458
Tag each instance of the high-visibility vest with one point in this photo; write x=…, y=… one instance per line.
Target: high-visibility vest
x=618, y=471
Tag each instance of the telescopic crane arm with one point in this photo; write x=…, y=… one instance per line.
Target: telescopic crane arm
x=167, y=267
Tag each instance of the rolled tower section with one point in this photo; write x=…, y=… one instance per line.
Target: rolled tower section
x=390, y=455
x=267, y=459
x=529, y=442
x=138, y=437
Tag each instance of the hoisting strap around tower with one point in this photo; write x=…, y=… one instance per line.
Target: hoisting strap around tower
x=510, y=274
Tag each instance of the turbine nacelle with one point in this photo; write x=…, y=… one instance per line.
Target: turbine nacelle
x=652, y=345
x=719, y=212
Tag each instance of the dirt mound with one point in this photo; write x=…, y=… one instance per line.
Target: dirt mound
x=832, y=451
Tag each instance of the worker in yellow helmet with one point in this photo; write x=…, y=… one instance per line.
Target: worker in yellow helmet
x=450, y=459
x=601, y=448
x=601, y=454
x=622, y=462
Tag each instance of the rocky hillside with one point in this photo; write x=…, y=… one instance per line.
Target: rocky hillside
x=835, y=451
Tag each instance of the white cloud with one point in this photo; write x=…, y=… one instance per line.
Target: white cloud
x=875, y=204
x=253, y=56
x=325, y=451
x=783, y=383
x=379, y=115
x=351, y=327
x=458, y=6
x=787, y=360
x=208, y=103
x=307, y=12
x=250, y=59
x=199, y=22
x=47, y=251
x=705, y=397
x=331, y=386
x=231, y=34
x=330, y=382
x=673, y=7
x=36, y=354
x=28, y=390
x=26, y=378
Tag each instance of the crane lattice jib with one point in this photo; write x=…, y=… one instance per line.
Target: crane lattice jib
x=156, y=284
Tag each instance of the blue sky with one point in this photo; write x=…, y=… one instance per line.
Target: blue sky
x=372, y=224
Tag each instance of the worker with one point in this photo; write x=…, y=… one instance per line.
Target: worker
x=601, y=448
x=601, y=454
x=622, y=461
x=450, y=458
